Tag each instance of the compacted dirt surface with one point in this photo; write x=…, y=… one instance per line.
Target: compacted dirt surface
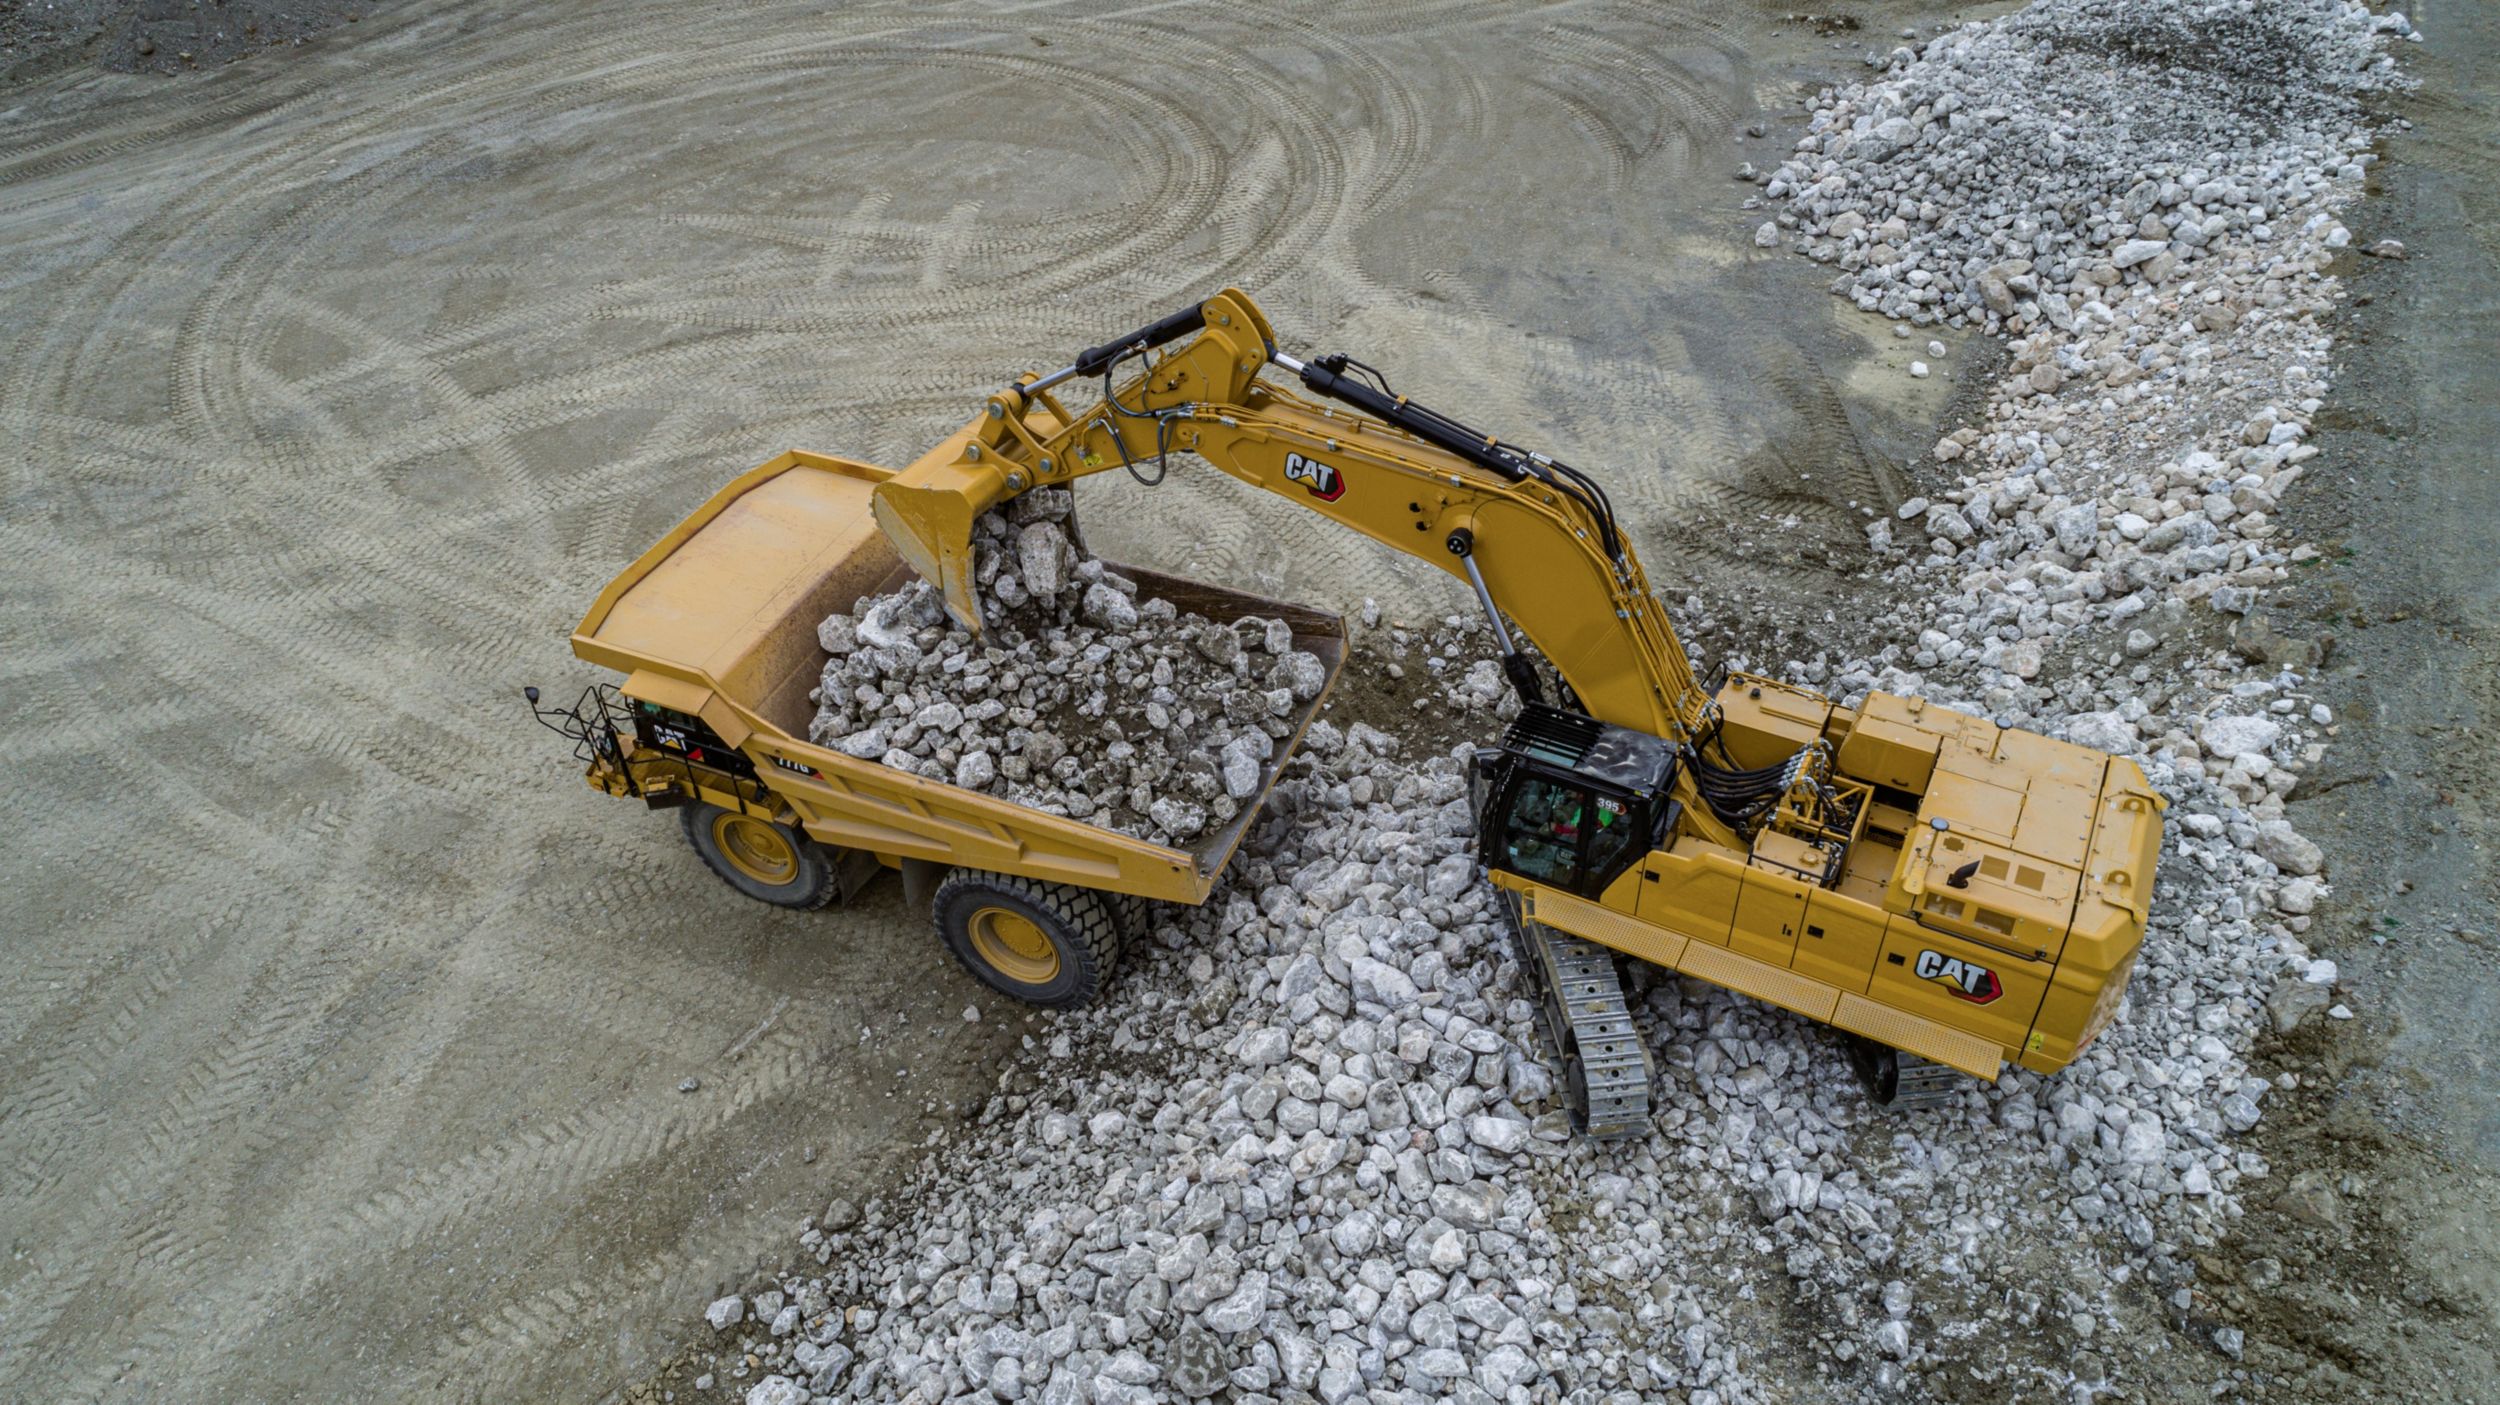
x=346, y=1030
x=357, y=1051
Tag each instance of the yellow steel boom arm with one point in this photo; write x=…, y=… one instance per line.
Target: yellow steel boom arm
x=1539, y=551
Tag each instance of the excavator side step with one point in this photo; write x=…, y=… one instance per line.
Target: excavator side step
x=1604, y=1065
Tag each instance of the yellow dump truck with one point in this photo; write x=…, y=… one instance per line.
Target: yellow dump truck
x=714, y=630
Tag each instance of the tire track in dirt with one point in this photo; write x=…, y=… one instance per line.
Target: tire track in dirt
x=283, y=993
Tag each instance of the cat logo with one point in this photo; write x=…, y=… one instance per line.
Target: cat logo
x=1968, y=980
x=1325, y=483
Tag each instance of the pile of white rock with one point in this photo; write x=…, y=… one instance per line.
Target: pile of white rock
x=1308, y=1151
x=1082, y=699
x=2012, y=171
x=1307, y=1147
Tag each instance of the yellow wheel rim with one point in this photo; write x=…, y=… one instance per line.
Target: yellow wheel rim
x=755, y=848
x=1014, y=945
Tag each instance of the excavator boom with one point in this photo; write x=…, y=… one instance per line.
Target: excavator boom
x=1521, y=529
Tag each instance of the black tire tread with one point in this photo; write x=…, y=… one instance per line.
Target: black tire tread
x=695, y=821
x=1088, y=917
x=1135, y=914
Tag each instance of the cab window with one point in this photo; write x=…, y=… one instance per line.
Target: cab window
x=1611, y=840
x=1542, y=838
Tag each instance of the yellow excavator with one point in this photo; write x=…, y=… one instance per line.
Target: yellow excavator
x=1950, y=894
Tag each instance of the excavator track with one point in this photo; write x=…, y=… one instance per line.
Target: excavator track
x=1922, y=1084
x=1604, y=1066
x=1904, y=1082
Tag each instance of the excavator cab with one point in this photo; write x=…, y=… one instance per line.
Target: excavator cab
x=1569, y=802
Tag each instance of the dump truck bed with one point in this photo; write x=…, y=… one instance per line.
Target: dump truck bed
x=718, y=621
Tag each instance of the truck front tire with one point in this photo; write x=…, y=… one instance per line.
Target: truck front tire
x=766, y=861
x=1048, y=944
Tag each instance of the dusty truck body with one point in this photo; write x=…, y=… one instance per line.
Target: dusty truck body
x=714, y=630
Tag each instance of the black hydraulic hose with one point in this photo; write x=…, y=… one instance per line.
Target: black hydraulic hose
x=1747, y=770
x=1110, y=393
x=1163, y=421
x=1736, y=799
x=1719, y=740
x=1740, y=784
x=1327, y=376
x=1169, y=328
x=1736, y=792
x=1605, y=506
x=1760, y=775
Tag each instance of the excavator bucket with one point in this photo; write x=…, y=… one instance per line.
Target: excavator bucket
x=928, y=509
x=927, y=512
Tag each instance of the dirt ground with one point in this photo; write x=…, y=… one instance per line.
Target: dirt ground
x=41, y=37
x=347, y=1029
x=2378, y=1278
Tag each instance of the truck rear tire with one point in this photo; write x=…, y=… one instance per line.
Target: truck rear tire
x=1049, y=944
x=1134, y=915
x=766, y=861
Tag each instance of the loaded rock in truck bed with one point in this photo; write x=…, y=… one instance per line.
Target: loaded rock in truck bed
x=1085, y=700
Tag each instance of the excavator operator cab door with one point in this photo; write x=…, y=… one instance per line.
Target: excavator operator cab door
x=1560, y=830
